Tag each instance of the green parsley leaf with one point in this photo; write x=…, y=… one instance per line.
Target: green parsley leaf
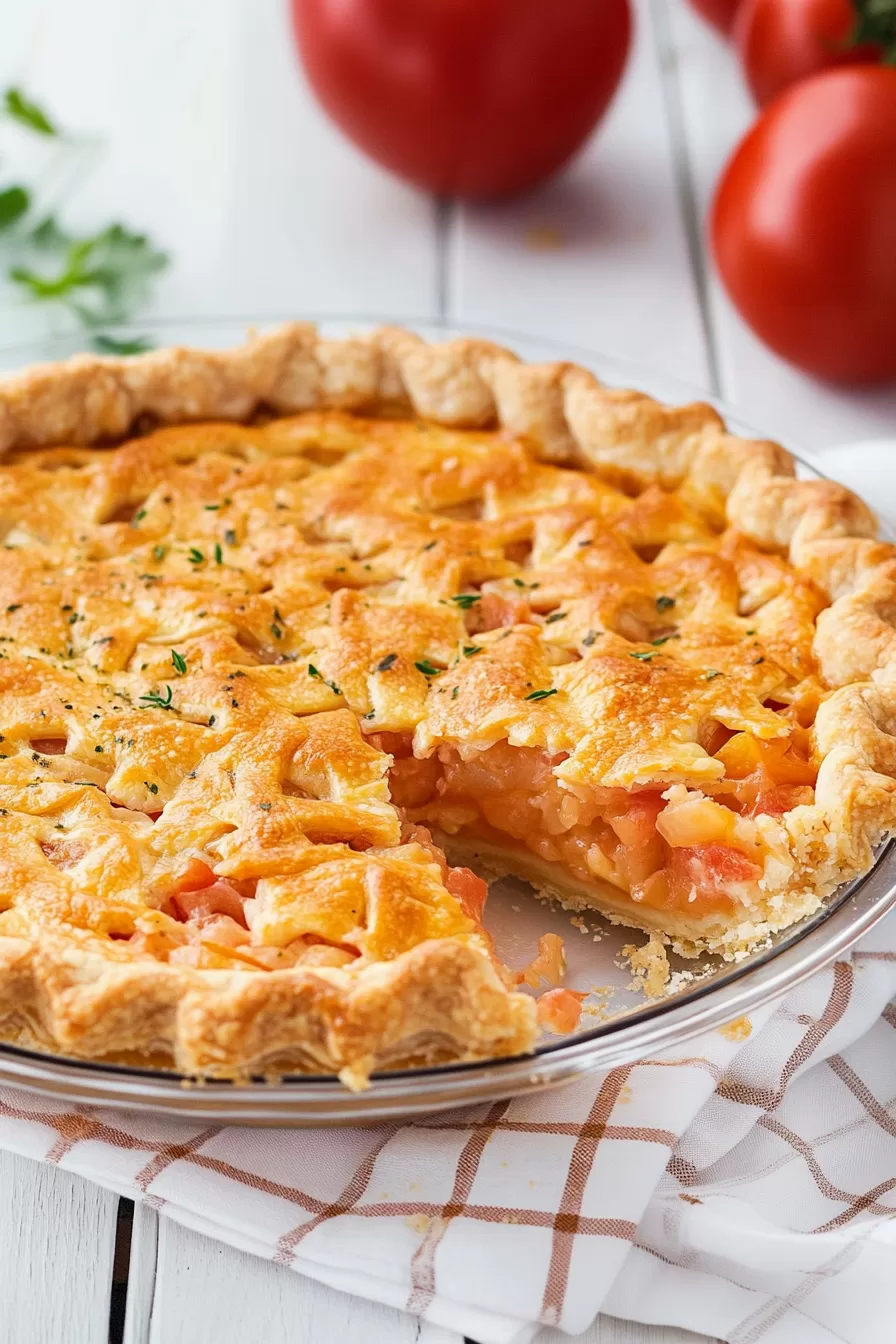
x=590, y=638
x=470, y=649
x=153, y=788
x=14, y=203
x=179, y=661
x=48, y=236
x=644, y=655
x=711, y=673
x=101, y=277
x=540, y=695
x=427, y=668
x=466, y=600
x=385, y=663
x=219, y=554
x=276, y=632
x=158, y=552
x=22, y=110
x=555, y=616
x=195, y=556
x=114, y=345
x=664, y=639
x=664, y=603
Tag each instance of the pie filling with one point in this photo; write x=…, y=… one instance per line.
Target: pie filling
x=694, y=855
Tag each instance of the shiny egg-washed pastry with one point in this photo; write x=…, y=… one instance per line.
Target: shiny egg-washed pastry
x=283, y=626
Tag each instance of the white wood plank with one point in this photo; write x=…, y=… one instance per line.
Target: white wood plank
x=609, y=1330
x=600, y=255
x=142, y=1275
x=717, y=111
x=183, y=1282
x=214, y=145
x=58, y=1237
x=209, y=1293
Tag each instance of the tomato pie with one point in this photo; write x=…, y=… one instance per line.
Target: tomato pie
x=301, y=641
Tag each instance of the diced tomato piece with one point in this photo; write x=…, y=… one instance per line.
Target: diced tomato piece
x=193, y=877
x=49, y=746
x=700, y=876
x=636, y=825
x=775, y=802
x=494, y=610
x=218, y=899
x=222, y=929
x=419, y=835
x=559, y=1010
x=469, y=889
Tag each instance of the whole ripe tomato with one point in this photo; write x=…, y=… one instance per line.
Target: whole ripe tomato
x=804, y=225
x=720, y=13
x=781, y=41
x=472, y=98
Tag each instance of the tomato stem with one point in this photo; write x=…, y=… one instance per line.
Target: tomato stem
x=875, y=24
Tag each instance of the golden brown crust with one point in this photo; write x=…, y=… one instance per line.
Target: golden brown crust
x=783, y=591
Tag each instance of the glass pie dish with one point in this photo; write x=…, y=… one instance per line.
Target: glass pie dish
x=617, y=1022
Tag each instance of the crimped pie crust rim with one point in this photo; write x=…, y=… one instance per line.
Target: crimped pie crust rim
x=823, y=528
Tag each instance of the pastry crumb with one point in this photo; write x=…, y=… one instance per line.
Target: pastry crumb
x=650, y=967
x=738, y=1030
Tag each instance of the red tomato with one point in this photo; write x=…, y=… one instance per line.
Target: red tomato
x=804, y=222
x=472, y=98
x=720, y=13
x=782, y=41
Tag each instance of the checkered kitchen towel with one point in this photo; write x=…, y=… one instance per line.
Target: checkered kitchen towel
x=744, y=1187
x=741, y=1187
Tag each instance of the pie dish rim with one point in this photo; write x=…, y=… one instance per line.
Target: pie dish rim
x=105, y=362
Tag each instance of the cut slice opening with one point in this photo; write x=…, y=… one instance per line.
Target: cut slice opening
x=656, y=856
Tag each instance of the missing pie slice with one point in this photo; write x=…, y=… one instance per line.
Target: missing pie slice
x=283, y=627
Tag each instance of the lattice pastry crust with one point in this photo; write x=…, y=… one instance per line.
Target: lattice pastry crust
x=338, y=597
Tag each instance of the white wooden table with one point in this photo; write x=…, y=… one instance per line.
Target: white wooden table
x=215, y=147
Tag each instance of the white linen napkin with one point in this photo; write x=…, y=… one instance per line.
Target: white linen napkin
x=743, y=1186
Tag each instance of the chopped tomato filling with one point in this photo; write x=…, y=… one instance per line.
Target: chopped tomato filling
x=494, y=610
x=695, y=854
x=209, y=929
x=469, y=889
